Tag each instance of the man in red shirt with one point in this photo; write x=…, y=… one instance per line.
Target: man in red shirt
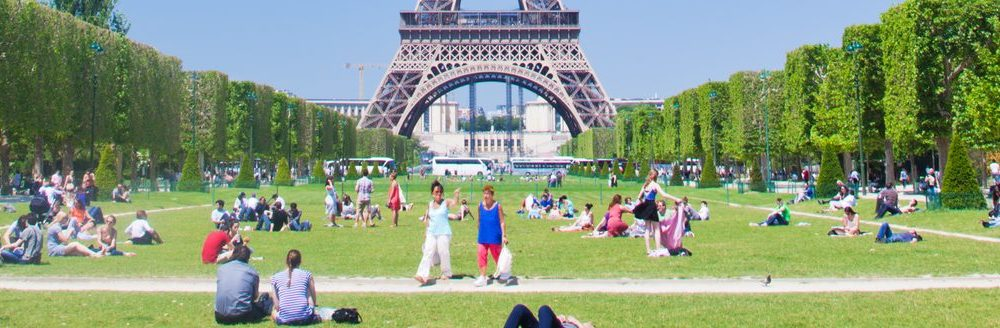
x=219, y=243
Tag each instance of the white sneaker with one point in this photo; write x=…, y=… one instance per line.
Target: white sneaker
x=480, y=282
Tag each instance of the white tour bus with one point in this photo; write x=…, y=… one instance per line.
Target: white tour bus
x=460, y=166
x=541, y=166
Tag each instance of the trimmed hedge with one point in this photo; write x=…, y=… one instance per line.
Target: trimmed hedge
x=104, y=177
x=675, y=176
x=709, y=178
x=245, y=179
x=960, y=186
x=830, y=172
x=284, y=174
x=757, y=179
x=190, y=177
x=318, y=174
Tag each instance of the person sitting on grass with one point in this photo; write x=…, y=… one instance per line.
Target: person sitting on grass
x=521, y=317
x=806, y=194
x=294, y=295
x=628, y=203
x=108, y=242
x=237, y=299
x=349, y=212
x=841, y=193
x=60, y=233
x=465, y=212
x=218, y=245
x=886, y=236
x=888, y=201
x=615, y=226
x=120, y=195
x=83, y=221
x=566, y=207
x=672, y=230
x=278, y=217
x=27, y=248
x=263, y=216
x=850, y=227
x=847, y=201
x=583, y=223
x=527, y=204
x=295, y=222
x=140, y=232
x=219, y=215
x=779, y=217
x=546, y=201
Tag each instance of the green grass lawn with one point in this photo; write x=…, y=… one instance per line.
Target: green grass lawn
x=944, y=308
x=723, y=247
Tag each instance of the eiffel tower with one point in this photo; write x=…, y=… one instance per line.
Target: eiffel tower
x=444, y=48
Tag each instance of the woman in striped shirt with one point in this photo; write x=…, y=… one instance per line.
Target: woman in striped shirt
x=294, y=295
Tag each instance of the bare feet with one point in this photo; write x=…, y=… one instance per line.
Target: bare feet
x=421, y=280
x=445, y=277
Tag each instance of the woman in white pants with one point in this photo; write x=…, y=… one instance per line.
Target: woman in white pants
x=438, y=238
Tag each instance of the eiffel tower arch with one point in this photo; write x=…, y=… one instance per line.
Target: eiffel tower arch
x=444, y=48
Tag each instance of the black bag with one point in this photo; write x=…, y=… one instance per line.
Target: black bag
x=39, y=205
x=347, y=315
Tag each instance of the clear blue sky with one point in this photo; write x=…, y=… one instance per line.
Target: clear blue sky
x=639, y=47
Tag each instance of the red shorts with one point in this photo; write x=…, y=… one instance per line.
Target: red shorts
x=493, y=249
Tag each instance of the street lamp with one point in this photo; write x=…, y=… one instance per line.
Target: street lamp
x=288, y=134
x=854, y=48
x=194, y=106
x=764, y=76
x=252, y=99
x=98, y=50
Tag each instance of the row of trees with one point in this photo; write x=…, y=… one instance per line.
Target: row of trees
x=924, y=80
x=66, y=85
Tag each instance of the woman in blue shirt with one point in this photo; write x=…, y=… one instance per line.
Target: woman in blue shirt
x=492, y=232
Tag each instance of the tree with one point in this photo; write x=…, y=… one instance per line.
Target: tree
x=709, y=176
x=318, y=173
x=190, y=175
x=977, y=112
x=757, y=179
x=284, y=174
x=104, y=177
x=866, y=67
x=805, y=71
x=246, y=178
x=960, y=185
x=830, y=172
x=675, y=176
x=690, y=129
x=712, y=114
x=98, y=12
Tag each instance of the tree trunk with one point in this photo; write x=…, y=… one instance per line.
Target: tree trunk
x=119, y=163
x=201, y=163
x=67, y=159
x=848, y=164
x=134, y=159
x=4, y=162
x=943, y=144
x=154, y=185
x=913, y=172
x=36, y=169
x=890, y=163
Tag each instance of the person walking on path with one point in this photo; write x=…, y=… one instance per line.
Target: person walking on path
x=395, y=199
x=437, y=239
x=492, y=233
x=364, y=187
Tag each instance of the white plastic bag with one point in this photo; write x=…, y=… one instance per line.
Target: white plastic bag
x=505, y=263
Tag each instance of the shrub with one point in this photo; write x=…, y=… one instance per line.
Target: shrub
x=318, y=174
x=643, y=169
x=675, y=176
x=709, y=177
x=190, y=175
x=960, y=187
x=104, y=177
x=757, y=179
x=604, y=170
x=245, y=179
x=376, y=172
x=830, y=172
x=284, y=174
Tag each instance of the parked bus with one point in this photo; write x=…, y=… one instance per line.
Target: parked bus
x=541, y=166
x=460, y=166
x=384, y=164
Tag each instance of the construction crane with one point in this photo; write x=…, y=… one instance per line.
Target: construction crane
x=361, y=75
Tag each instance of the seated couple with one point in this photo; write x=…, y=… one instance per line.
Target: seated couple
x=219, y=245
x=779, y=217
x=292, y=300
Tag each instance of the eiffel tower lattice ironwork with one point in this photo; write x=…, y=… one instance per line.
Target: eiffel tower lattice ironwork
x=444, y=48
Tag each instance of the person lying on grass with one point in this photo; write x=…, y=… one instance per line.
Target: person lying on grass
x=59, y=233
x=237, y=299
x=850, y=227
x=779, y=217
x=27, y=247
x=911, y=207
x=583, y=223
x=850, y=200
x=108, y=241
x=886, y=236
x=521, y=317
x=671, y=230
x=464, y=210
x=140, y=232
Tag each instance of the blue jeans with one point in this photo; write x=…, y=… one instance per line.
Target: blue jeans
x=15, y=257
x=775, y=220
x=520, y=316
x=296, y=225
x=263, y=222
x=884, y=233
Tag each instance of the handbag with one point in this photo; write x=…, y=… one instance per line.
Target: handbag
x=505, y=263
x=346, y=315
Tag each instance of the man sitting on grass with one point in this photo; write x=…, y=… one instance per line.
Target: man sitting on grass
x=140, y=232
x=237, y=300
x=219, y=244
x=885, y=235
x=779, y=217
x=27, y=248
x=219, y=215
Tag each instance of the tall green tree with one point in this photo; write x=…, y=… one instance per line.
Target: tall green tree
x=866, y=67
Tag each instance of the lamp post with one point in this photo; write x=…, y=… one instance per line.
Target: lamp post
x=764, y=76
x=854, y=48
x=98, y=50
x=194, y=106
x=288, y=135
x=252, y=107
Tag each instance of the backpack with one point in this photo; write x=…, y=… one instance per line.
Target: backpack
x=39, y=205
x=347, y=315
